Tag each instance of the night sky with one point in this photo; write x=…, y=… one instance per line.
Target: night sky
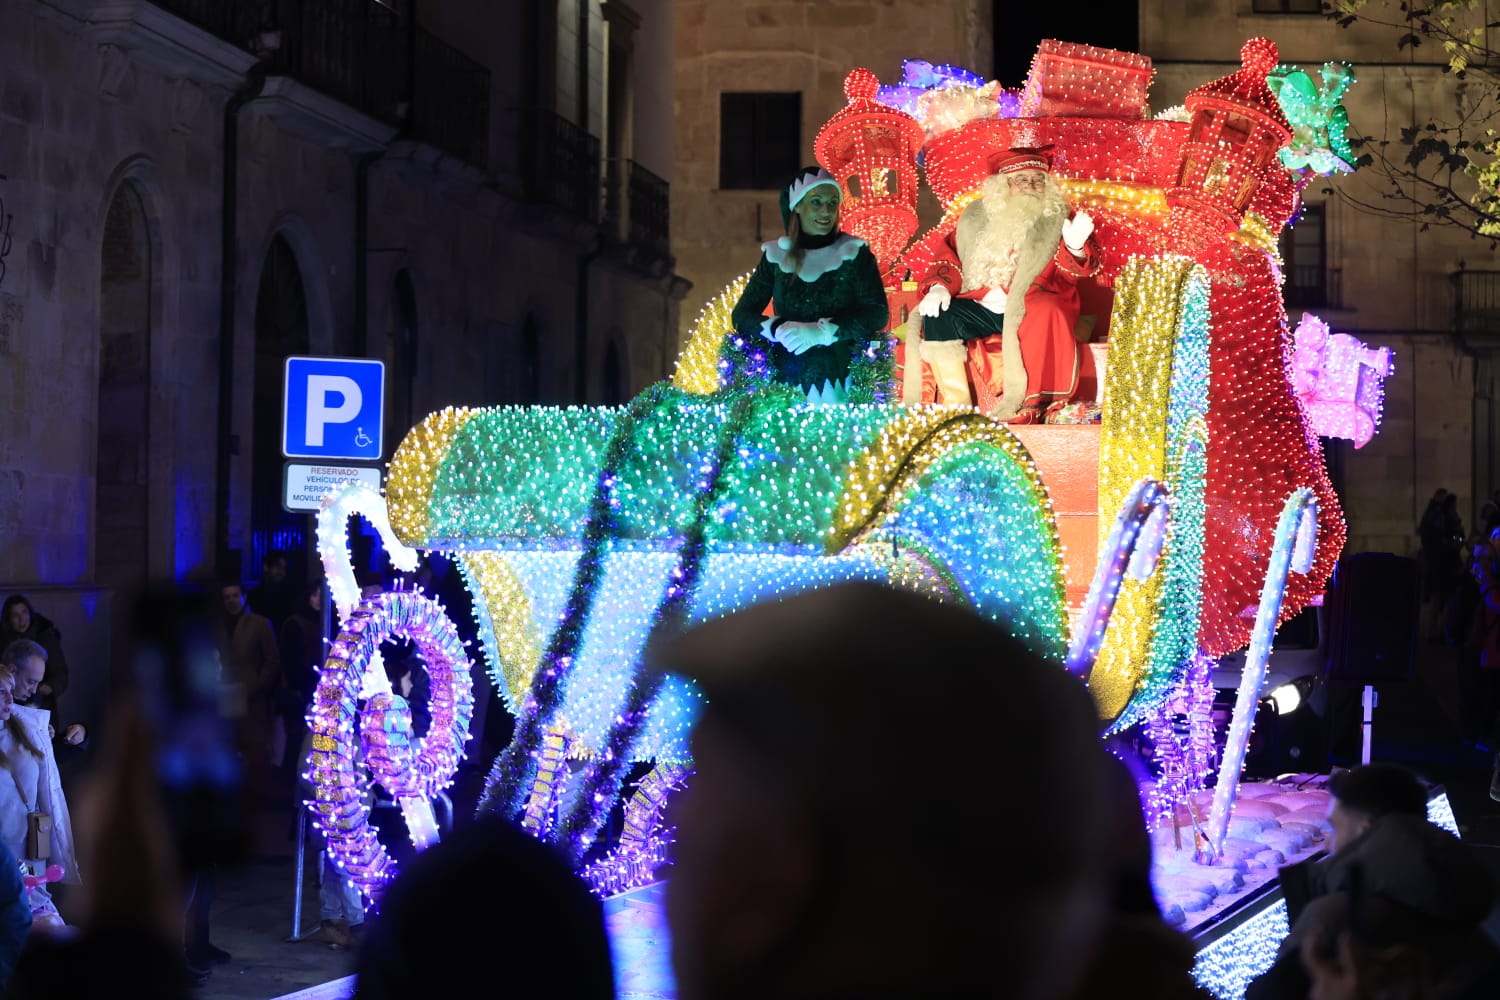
x=1020, y=26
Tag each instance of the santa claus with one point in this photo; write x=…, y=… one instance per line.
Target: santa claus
x=1007, y=277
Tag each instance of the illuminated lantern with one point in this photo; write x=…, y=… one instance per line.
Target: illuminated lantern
x=1237, y=128
x=872, y=150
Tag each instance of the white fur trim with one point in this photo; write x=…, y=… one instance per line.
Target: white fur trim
x=784, y=242
x=765, y=328
x=829, y=392
x=816, y=263
x=799, y=188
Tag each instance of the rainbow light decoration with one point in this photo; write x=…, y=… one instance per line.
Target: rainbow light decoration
x=1154, y=427
x=1339, y=381
x=579, y=528
x=346, y=737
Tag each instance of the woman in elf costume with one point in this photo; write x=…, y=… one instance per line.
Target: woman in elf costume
x=829, y=304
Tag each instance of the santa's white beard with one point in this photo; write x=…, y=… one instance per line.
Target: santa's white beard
x=1011, y=221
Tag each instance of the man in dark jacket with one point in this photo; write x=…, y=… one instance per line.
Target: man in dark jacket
x=18, y=620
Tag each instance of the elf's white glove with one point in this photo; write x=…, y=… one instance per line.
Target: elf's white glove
x=994, y=301
x=1076, y=232
x=936, y=301
x=799, y=337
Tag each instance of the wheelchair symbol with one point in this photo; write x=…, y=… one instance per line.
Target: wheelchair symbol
x=361, y=439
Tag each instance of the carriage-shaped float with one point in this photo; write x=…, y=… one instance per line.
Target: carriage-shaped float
x=1183, y=515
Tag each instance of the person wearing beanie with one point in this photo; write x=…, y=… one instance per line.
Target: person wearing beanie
x=825, y=289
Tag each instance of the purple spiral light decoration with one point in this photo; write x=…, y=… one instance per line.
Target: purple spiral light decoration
x=412, y=772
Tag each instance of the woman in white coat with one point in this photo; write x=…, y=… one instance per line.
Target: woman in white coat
x=31, y=798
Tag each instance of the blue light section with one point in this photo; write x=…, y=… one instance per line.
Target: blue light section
x=634, y=581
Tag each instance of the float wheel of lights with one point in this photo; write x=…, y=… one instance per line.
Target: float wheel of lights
x=413, y=774
x=645, y=845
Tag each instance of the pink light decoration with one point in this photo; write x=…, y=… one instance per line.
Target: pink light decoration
x=412, y=773
x=1339, y=380
x=1182, y=738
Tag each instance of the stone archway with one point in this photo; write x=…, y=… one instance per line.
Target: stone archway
x=281, y=329
x=122, y=453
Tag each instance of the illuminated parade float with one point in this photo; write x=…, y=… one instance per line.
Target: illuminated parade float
x=1169, y=508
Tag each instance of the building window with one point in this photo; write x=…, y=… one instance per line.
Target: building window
x=531, y=362
x=613, y=376
x=1304, y=260
x=1288, y=6
x=760, y=140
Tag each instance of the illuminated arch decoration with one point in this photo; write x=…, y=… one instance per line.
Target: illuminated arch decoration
x=1154, y=427
x=344, y=736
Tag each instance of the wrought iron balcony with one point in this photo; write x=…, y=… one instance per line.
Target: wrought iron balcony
x=562, y=164
x=367, y=54
x=637, y=207
x=1476, y=302
x=239, y=22
x=650, y=202
x=450, y=100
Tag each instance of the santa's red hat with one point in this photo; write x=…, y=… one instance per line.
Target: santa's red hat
x=1010, y=161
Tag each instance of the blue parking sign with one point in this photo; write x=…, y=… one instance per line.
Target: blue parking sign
x=334, y=408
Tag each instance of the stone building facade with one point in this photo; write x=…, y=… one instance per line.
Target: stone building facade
x=481, y=201
x=796, y=54
x=1390, y=281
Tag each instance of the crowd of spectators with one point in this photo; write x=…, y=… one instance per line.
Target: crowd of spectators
x=914, y=859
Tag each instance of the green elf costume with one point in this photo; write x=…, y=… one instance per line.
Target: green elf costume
x=829, y=301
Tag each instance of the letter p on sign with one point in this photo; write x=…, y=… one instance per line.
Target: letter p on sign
x=334, y=409
x=322, y=388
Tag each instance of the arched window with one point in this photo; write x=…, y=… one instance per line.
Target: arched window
x=122, y=456
x=281, y=329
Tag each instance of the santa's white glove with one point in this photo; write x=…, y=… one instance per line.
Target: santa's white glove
x=1076, y=232
x=936, y=301
x=994, y=301
x=799, y=337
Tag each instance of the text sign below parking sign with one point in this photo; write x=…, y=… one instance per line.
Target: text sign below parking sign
x=334, y=409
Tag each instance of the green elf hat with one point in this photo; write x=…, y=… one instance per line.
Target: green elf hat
x=801, y=186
